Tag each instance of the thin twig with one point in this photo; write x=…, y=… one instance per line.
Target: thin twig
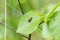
x=20, y=7
x=23, y=14
x=29, y=36
x=2, y=24
x=14, y=30
x=40, y=24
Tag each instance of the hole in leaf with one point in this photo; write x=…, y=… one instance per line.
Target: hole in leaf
x=30, y=18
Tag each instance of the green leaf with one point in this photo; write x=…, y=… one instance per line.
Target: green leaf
x=54, y=26
x=52, y=11
x=13, y=35
x=46, y=32
x=51, y=29
x=48, y=28
x=26, y=27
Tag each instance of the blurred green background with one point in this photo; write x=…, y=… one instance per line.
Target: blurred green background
x=14, y=13
x=2, y=19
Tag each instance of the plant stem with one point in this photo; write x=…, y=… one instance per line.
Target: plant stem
x=29, y=36
x=40, y=24
x=20, y=7
x=14, y=30
x=23, y=14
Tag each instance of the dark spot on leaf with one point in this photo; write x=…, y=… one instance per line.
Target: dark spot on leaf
x=30, y=18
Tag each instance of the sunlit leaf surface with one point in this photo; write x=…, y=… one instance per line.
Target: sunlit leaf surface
x=29, y=22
